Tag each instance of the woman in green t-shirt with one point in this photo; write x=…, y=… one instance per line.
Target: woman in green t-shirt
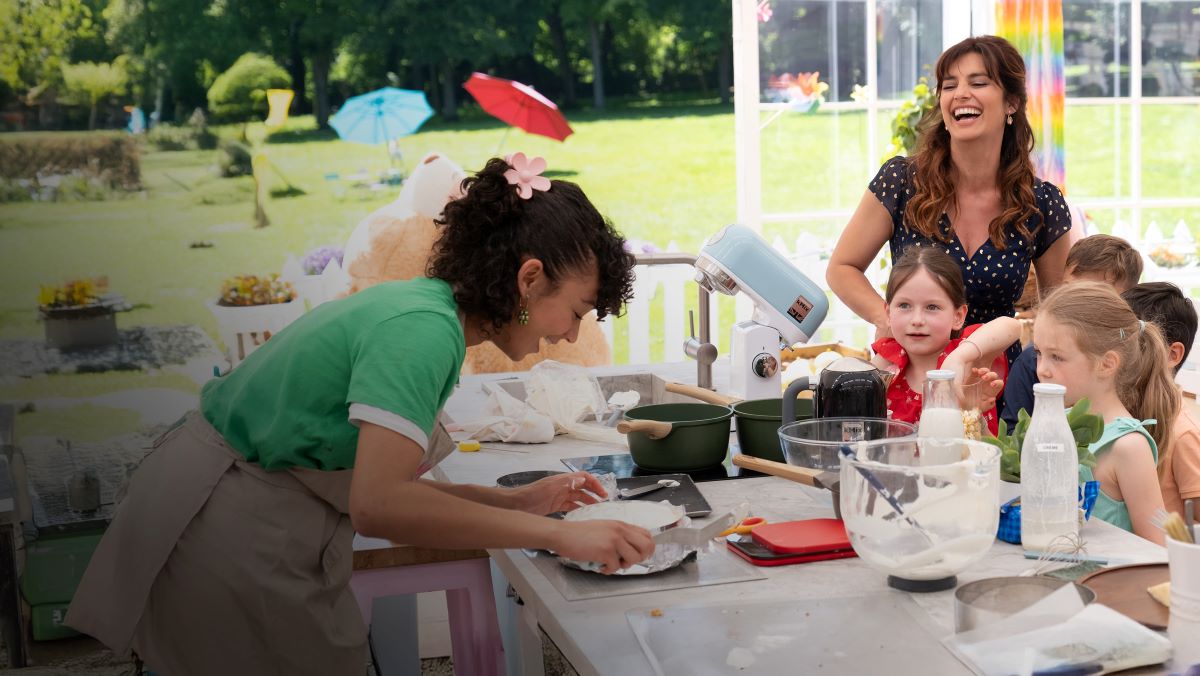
x=231, y=552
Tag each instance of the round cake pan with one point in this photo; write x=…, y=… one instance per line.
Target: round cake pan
x=983, y=602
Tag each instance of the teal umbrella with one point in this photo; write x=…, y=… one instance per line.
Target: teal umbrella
x=381, y=116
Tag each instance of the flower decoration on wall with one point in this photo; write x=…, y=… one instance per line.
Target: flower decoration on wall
x=244, y=290
x=803, y=92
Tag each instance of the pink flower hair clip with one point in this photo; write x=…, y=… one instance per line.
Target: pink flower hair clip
x=526, y=174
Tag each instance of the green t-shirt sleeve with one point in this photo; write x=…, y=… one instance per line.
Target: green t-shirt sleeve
x=407, y=364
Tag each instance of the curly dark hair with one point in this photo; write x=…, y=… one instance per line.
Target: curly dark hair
x=490, y=231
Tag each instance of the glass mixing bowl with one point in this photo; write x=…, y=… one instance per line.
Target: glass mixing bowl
x=920, y=524
x=815, y=443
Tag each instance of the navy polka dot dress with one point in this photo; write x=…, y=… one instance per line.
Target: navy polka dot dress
x=994, y=278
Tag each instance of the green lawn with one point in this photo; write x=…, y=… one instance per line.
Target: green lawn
x=661, y=174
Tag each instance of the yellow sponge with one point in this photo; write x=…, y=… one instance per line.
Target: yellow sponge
x=469, y=446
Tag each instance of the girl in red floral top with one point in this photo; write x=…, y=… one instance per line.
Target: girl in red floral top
x=926, y=307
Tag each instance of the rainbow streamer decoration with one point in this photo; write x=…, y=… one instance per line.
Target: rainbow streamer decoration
x=1035, y=28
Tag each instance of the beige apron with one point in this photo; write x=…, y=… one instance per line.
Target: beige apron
x=213, y=565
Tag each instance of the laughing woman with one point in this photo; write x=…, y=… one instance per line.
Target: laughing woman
x=231, y=553
x=969, y=188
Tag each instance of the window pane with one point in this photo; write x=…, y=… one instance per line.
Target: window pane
x=910, y=41
x=1096, y=47
x=1096, y=142
x=803, y=36
x=815, y=162
x=1172, y=40
x=1169, y=167
x=1104, y=220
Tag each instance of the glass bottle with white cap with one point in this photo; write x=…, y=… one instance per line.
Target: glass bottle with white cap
x=1049, y=474
x=941, y=419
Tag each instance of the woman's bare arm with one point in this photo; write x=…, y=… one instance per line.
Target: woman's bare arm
x=868, y=230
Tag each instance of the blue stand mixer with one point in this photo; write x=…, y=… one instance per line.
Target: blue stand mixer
x=788, y=306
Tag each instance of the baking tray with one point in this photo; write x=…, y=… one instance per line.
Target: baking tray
x=698, y=570
x=1123, y=589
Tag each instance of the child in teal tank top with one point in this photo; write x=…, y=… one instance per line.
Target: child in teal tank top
x=1110, y=509
x=1089, y=340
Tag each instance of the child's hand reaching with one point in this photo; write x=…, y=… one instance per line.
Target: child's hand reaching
x=989, y=388
x=990, y=385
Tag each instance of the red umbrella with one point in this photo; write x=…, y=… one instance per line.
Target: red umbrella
x=519, y=105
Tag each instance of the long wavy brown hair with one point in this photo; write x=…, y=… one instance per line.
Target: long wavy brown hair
x=933, y=171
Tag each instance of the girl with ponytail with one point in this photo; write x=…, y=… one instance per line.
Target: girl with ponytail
x=1089, y=340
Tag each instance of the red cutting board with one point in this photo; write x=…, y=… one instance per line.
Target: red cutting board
x=809, y=536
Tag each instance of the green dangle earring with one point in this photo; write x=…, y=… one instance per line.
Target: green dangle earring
x=523, y=314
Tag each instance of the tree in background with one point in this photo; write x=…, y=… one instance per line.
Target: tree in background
x=92, y=83
x=240, y=93
x=35, y=40
x=336, y=48
x=704, y=32
x=176, y=49
x=448, y=40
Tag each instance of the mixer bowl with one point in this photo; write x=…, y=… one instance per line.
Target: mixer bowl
x=920, y=524
x=815, y=443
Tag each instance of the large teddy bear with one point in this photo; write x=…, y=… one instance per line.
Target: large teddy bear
x=394, y=242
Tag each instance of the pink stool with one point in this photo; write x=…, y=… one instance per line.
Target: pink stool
x=474, y=631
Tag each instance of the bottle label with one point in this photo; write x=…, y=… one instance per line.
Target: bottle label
x=1051, y=448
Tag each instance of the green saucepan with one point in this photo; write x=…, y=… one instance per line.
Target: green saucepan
x=677, y=437
x=758, y=420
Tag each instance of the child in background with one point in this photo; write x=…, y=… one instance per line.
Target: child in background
x=1173, y=313
x=1098, y=258
x=1090, y=341
x=926, y=307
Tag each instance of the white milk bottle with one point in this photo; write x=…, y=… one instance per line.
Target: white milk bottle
x=941, y=420
x=1049, y=474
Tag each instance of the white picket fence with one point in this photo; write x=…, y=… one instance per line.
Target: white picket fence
x=1153, y=241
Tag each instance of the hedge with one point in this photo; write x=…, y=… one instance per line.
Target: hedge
x=112, y=158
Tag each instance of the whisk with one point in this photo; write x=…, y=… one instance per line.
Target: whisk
x=1067, y=550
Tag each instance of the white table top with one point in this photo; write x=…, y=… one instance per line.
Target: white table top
x=594, y=634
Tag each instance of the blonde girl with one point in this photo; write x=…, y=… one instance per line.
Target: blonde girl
x=1089, y=340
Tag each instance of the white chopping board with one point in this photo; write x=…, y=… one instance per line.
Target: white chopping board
x=856, y=635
